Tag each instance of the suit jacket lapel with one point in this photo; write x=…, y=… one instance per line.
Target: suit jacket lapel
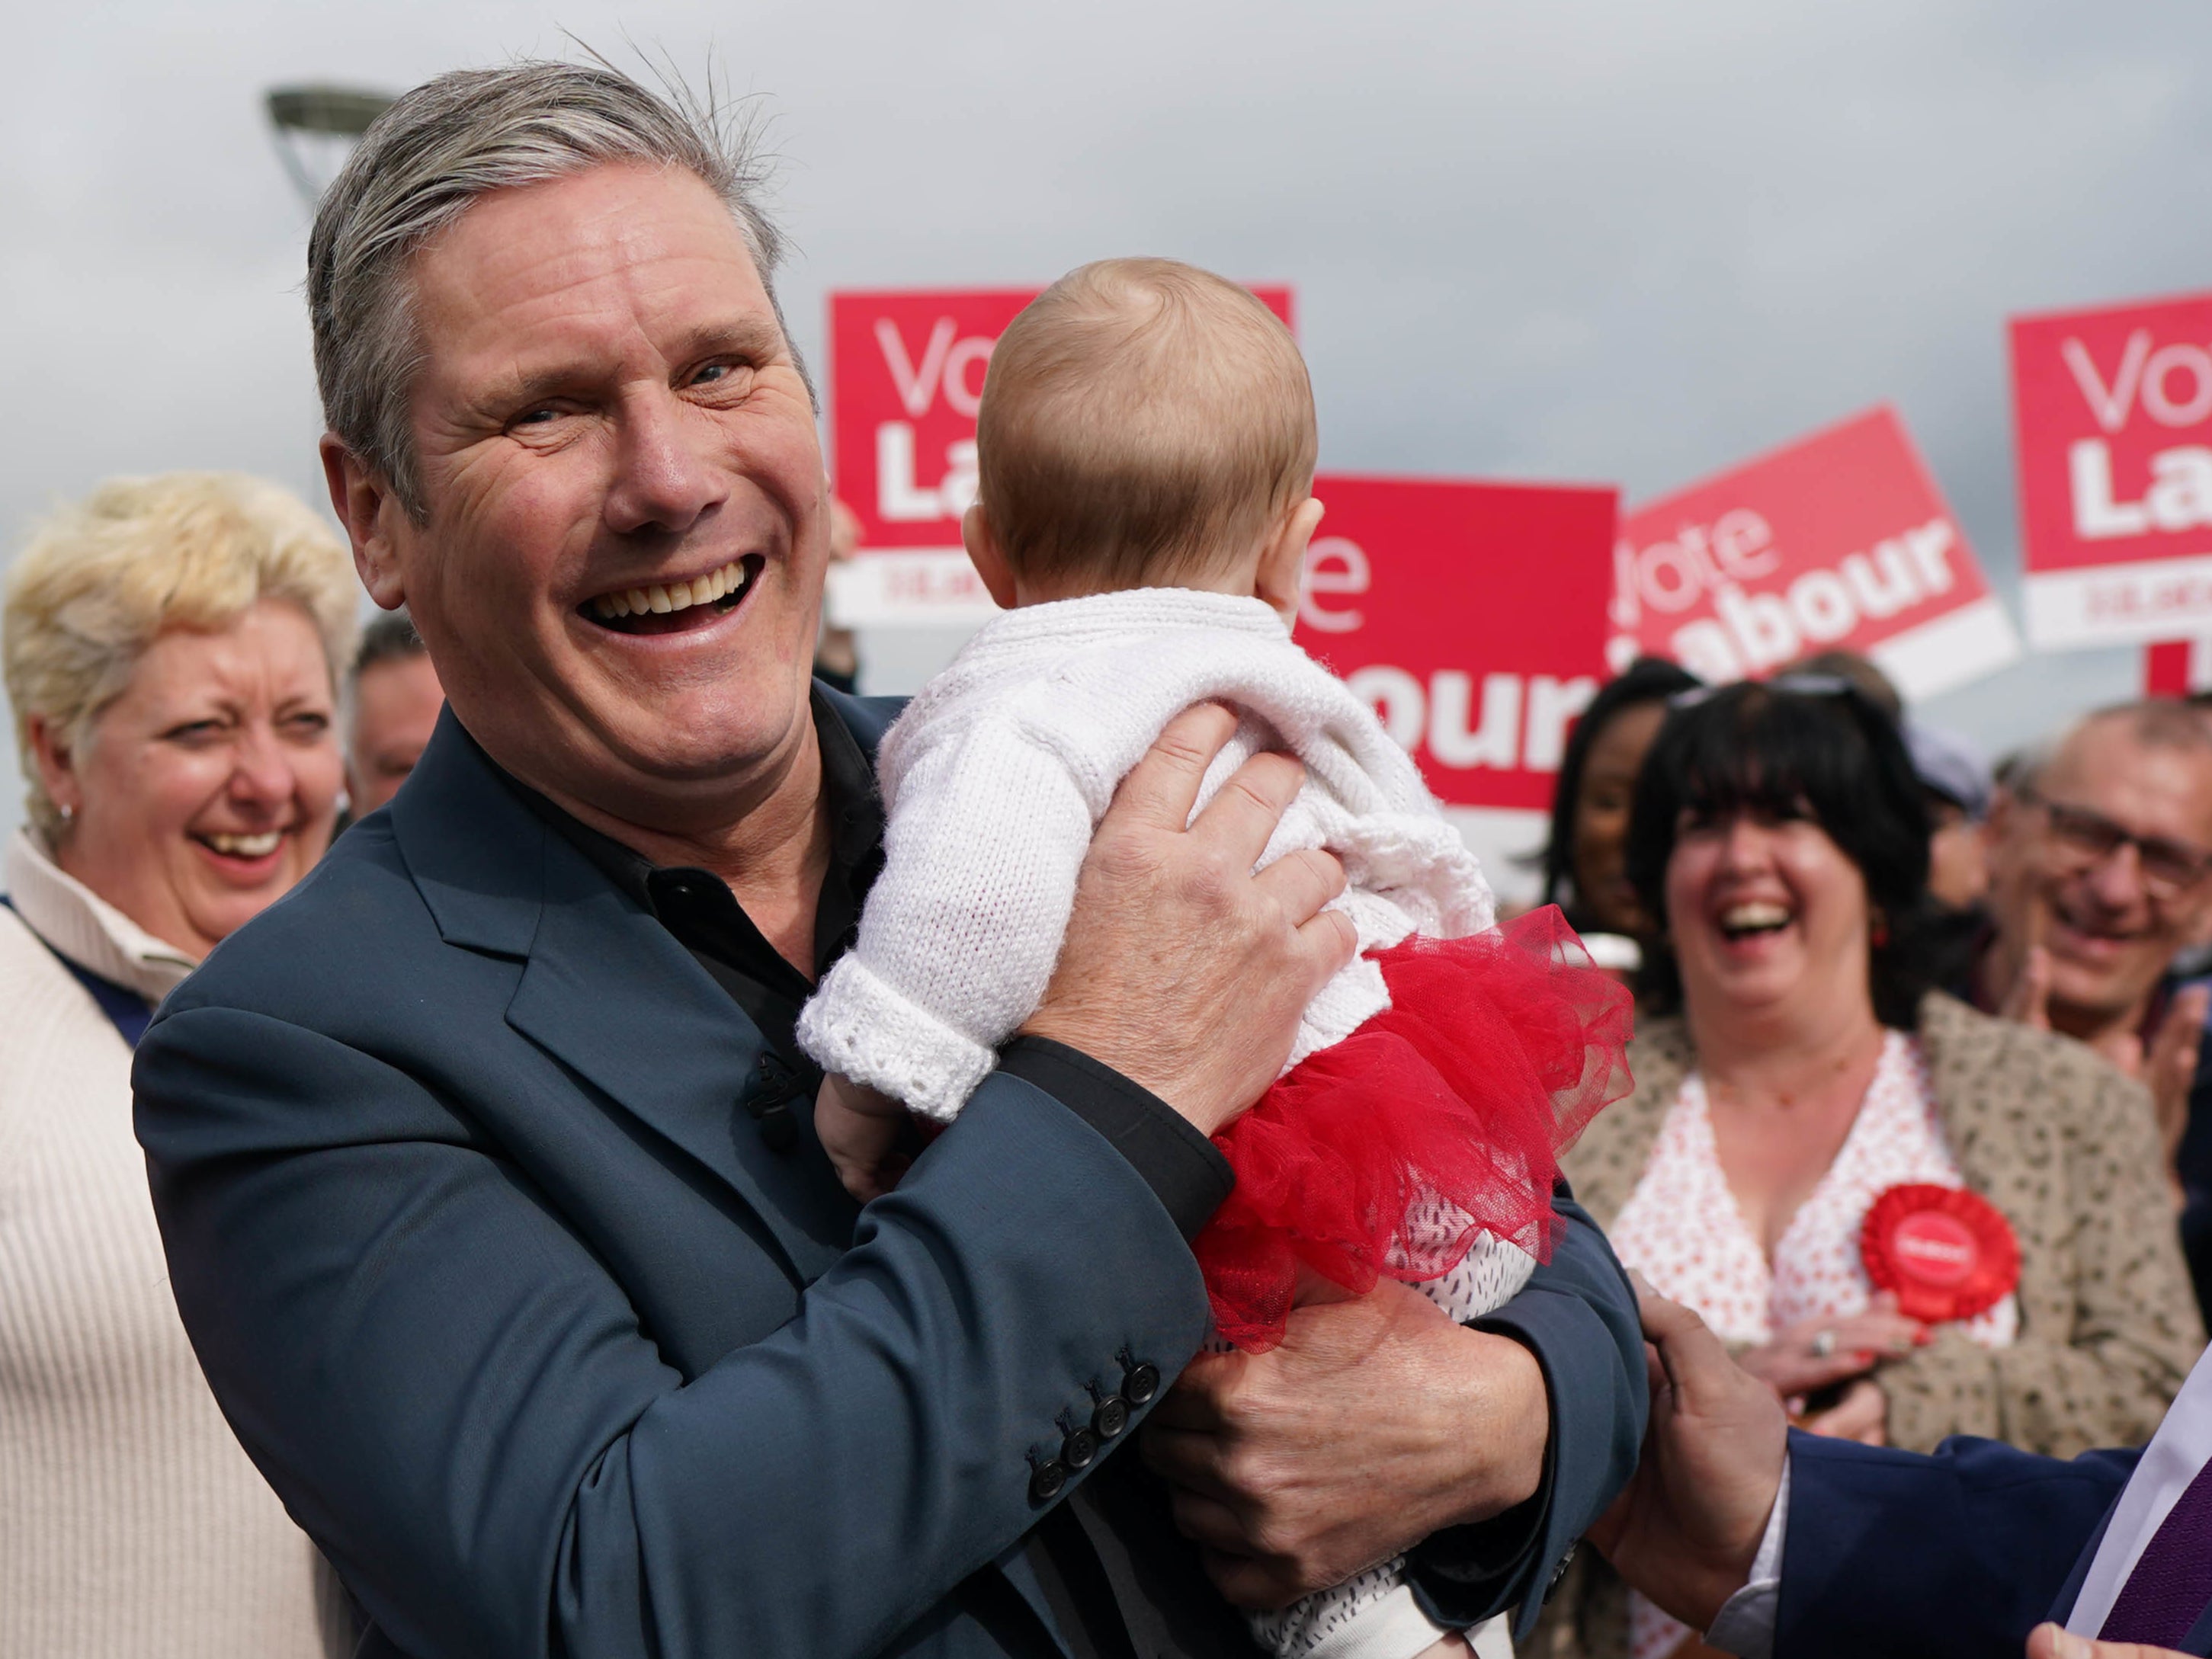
x=609, y=992
x=611, y=995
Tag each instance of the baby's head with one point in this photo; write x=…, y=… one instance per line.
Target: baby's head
x=1144, y=424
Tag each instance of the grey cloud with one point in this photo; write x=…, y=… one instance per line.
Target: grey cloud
x=1583, y=240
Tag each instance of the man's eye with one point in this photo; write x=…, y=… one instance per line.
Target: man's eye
x=538, y=417
x=715, y=374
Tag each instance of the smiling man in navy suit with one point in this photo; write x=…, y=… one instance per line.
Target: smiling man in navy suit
x=485, y=1163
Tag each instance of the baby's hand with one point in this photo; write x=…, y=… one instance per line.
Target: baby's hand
x=859, y=1128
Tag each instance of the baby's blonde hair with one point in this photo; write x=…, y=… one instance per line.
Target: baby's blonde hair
x=1142, y=420
x=101, y=580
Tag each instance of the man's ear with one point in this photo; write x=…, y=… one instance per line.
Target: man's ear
x=367, y=508
x=1282, y=568
x=988, y=556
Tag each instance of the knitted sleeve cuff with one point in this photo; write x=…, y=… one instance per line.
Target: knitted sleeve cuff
x=860, y=1025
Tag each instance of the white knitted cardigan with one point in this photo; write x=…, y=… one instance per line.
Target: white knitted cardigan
x=130, y=1522
x=995, y=776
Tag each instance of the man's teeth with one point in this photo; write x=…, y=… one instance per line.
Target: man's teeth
x=1752, y=918
x=662, y=597
x=246, y=847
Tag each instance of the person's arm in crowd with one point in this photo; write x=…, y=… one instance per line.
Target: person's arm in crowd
x=457, y=1397
x=2136, y=1330
x=1886, y=1552
x=1380, y=1426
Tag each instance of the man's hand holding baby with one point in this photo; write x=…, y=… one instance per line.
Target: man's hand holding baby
x=1183, y=969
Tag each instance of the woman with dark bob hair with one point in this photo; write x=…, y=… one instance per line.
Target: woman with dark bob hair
x=1584, y=863
x=1801, y=1085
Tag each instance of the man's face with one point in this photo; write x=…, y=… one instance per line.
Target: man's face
x=622, y=566
x=2110, y=923
x=395, y=708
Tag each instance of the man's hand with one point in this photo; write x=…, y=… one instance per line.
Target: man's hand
x=2027, y=1000
x=1377, y=1422
x=2170, y=1071
x=1687, y=1528
x=2056, y=1641
x=1181, y=969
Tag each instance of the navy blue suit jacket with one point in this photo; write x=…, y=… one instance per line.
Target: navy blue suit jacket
x=1959, y=1555
x=502, y=1290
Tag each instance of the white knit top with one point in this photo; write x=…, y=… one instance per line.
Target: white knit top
x=994, y=777
x=132, y=1525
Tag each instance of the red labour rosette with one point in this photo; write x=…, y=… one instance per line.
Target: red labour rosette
x=1947, y=1253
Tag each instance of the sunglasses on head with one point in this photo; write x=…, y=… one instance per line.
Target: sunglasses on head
x=1804, y=684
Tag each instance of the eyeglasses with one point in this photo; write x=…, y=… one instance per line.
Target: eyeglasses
x=2170, y=868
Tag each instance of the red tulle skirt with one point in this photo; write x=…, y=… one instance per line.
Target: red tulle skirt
x=1495, y=1051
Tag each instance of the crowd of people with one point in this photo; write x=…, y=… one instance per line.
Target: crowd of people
x=525, y=1239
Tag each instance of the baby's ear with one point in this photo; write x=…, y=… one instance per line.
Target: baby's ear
x=1283, y=561
x=988, y=556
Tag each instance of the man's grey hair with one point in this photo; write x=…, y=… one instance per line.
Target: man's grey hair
x=2153, y=722
x=421, y=165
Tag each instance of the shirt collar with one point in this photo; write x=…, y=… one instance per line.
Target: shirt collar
x=856, y=834
x=85, y=927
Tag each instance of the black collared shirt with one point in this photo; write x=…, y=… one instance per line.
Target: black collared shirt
x=1181, y=1165
x=1093, y=1597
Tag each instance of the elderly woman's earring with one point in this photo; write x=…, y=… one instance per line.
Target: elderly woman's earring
x=69, y=814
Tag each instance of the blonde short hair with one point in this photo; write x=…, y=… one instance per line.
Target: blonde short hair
x=1142, y=419
x=100, y=581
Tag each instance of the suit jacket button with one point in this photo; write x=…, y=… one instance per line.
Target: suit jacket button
x=1111, y=1417
x=1047, y=1480
x=1139, y=1383
x=1078, y=1449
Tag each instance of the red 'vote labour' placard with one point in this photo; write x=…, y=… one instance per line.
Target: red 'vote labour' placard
x=1473, y=617
x=1838, y=541
x=905, y=377
x=2112, y=413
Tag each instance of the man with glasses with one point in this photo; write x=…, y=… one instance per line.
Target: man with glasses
x=2100, y=860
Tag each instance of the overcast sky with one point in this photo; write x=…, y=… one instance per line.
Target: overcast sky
x=1618, y=242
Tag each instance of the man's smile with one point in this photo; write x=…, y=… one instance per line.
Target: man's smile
x=675, y=607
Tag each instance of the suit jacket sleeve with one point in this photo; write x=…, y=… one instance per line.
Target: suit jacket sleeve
x=1577, y=1315
x=964, y=926
x=459, y=1402
x=1953, y=1556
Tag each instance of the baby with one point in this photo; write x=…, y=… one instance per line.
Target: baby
x=1146, y=449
